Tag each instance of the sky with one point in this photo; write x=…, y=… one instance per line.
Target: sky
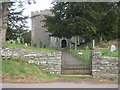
x=39, y=5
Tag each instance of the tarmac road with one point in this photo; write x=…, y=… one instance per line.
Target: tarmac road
x=63, y=84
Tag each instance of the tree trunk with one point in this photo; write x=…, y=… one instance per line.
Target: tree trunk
x=0, y=22
x=4, y=19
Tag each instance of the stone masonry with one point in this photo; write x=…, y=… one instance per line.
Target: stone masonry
x=47, y=61
x=104, y=67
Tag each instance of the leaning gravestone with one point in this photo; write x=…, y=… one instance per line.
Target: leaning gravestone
x=113, y=48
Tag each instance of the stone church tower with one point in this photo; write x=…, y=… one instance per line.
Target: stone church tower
x=41, y=38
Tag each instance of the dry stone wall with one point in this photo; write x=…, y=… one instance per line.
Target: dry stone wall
x=47, y=61
x=104, y=67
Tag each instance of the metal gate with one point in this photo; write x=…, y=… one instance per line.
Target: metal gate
x=76, y=69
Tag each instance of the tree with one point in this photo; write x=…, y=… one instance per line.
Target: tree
x=104, y=17
x=27, y=37
x=69, y=20
x=4, y=18
x=88, y=20
x=17, y=22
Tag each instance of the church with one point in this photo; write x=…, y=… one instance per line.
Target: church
x=41, y=38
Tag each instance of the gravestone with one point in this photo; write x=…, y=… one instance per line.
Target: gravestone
x=93, y=43
x=86, y=48
x=80, y=53
x=18, y=41
x=113, y=48
x=26, y=44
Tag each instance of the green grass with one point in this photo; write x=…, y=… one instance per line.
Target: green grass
x=48, y=49
x=109, y=53
x=112, y=79
x=13, y=68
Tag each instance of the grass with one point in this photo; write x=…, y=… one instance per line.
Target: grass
x=107, y=52
x=14, y=68
x=48, y=49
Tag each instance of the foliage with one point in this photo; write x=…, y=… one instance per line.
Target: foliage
x=88, y=20
x=48, y=49
x=16, y=21
x=27, y=37
x=9, y=21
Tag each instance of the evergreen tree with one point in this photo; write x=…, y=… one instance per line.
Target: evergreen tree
x=5, y=19
x=17, y=22
x=88, y=20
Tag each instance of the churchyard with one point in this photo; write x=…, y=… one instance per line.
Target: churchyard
x=70, y=43
x=32, y=69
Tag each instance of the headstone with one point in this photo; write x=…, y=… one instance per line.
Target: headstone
x=93, y=43
x=18, y=41
x=113, y=48
x=30, y=61
x=86, y=48
x=26, y=44
x=80, y=53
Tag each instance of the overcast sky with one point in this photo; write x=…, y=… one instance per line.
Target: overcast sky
x=40, y=5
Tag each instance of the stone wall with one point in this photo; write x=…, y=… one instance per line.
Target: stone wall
x=47, y=61
x=104, y=67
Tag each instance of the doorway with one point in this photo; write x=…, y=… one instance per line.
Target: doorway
x=64, y=44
